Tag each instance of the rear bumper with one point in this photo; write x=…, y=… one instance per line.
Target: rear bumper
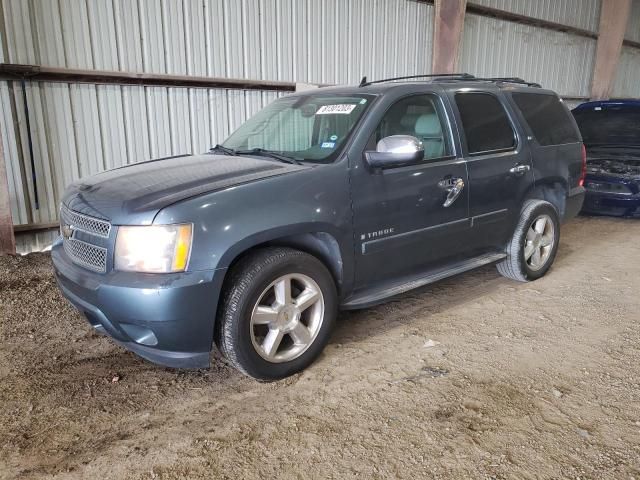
x=166, y=319
x=612, y=204
x=574, y=203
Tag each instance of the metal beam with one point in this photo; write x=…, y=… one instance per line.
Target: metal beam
x=527, y=20
x=7, y=238
x=447, y=34
x=613, y=23
x=12, y=71
x=35, y=227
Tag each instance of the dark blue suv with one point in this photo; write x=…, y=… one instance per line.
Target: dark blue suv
x=338, y=198
x=611, y=133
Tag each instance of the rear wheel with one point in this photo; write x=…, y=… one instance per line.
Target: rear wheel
x=277, y=314
x=533, y=247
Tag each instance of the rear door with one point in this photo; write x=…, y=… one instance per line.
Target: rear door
x=498, y=162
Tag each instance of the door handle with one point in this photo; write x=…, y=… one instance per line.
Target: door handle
x=519, y=169
x=453, y=187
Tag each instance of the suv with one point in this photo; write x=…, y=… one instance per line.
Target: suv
x=338, y=198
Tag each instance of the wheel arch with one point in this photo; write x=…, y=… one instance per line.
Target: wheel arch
x=552, y=190
x=317, y=242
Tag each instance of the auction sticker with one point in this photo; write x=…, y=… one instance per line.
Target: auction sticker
x=342, y=108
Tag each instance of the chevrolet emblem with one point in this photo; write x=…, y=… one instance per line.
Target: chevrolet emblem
x=67, y=231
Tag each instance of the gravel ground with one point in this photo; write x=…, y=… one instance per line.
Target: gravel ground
x=473, y=377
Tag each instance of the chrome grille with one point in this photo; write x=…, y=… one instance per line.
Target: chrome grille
x=87, y=255
x=87, y=224
x=85, y=239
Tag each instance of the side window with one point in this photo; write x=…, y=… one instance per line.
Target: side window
x=418, y=116
x=548, y=119
x=485, y=122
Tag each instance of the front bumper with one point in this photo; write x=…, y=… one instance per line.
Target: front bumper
x=612, y=204
x=165, y=318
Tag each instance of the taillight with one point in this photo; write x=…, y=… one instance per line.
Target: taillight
x=583, y=173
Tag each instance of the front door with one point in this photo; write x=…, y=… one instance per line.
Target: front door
x=403, y=221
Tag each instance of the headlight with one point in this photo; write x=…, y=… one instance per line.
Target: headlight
x=606, y=187
x=154, y=248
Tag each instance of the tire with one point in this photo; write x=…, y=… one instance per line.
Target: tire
x=259, y=331
x=519, y=264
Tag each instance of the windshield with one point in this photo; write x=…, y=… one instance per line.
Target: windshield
x=609, y=125
x=309, y=127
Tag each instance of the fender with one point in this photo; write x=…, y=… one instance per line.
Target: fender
x=317, y=240
x=552, y=189
x=308, y=209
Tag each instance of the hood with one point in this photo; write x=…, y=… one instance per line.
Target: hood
x=136, y=193
x=609, y=123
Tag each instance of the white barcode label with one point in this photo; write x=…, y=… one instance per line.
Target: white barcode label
x=343, y=108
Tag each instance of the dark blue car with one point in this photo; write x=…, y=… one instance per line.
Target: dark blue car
x=611, y=133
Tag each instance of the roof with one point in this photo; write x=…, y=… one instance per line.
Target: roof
x=613, y=102
x=380, y=88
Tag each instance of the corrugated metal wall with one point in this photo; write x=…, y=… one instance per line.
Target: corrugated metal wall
x=316, y=41
x=560, y=61
x=633, y=27
x=627, y=82
x=583, y=14
x=79, y=130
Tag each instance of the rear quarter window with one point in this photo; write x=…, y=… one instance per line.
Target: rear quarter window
x=547, y=118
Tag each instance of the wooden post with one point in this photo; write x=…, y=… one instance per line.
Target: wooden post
x=613, y=23
x=447, y=34
x=7, y=239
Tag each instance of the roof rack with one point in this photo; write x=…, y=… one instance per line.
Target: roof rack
x=461, y=76
x=509, y=80
x=445, y=77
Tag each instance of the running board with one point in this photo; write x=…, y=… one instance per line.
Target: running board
x=379, y=294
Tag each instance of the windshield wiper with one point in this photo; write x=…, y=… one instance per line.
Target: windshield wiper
x=224, y=150
x=268, y=153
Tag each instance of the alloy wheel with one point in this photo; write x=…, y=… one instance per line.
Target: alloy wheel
x=539, y=242
x=287, y=318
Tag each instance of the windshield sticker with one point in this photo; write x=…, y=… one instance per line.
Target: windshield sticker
x=343, y=108
x=363, y=101
x=333, y=138
x=328, y=144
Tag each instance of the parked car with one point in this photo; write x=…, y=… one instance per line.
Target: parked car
x=611, y=133
x=339, y=198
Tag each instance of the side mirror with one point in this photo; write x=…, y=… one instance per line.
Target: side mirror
x=395, y=151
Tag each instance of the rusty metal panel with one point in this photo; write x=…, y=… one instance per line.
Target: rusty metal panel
x=45, y=209
x=35, y=242
x=559, y=61
x=583, y=14
x=17, y=194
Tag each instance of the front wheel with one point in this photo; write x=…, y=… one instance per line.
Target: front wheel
x=534, y=244
x=278, y=311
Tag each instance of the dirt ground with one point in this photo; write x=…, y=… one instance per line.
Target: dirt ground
x=473, y=377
